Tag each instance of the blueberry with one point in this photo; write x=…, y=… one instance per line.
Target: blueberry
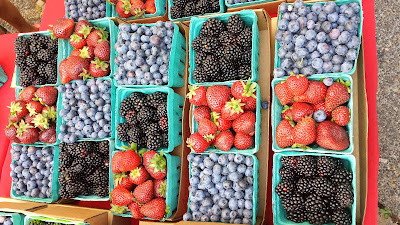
x=346, y=67
x=300, y=41
x=187, y=217
x=283, y=7
x=298, y=4
x=293, y=26
x=327, y=66
x=279, y=72
x=341, y=50
x=319, y=115
x=329, y=7
x=354, y=42
x=351, y=55
x=283, y=24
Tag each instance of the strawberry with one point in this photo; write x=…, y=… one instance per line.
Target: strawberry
x=150, y=7
x=47, y=95
x=87, y=52
x=144, y=192
x=117, y=209
x=157, y=166
x=83, y=28
x=321, y=106
x=197, y=95
x=245, y=123
x=337, y=94
x=341, y=115
x=150, y=155
x=97, y=36
x=304, y=132
x=315, y=93
x=113, y=2
x=121, y=179
x=243, y=141
x=222, y=124
x=48, y=135
x=34, y=108
x=77, y=42
x=201, y=112
x=224, y=140
x=11, y=132
x=332, y=136
x=137, y=8
x=64, y=73
x=27, y=94
x=129, y=161
x=301, y=110
x=18, y=109
x=76, y=52
x=50, y=112
x=116, y=161
x=244, y=91
x=160, y=188
x=63, y=28
x=123, y=8
x=155, y=209
x=284, y=132
x=283, y=93
x=232, y=109
x=77, y=67
x=139, y=175
x=29, y=119
x=102, y=51
x=121, y=196
x=251, y=105
x=41, y=122
x=286, y=113
x=197, y=143
x=29, y=136
x=297, y=84
x=99, y=68
x=15, y=119
x=207, y=129
x=217, y=96
x=134, y=208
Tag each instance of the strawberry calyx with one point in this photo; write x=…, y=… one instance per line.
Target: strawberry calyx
x=75, y=38
x=167, y=210
x=85, y=30
x=209, y=137
x=41, y=121
x=31, y=110
x=85, y=75
x=138, y=13
x=163, y=189
x=116, y=209
x=192, y=91
x=345, y=83
x=11, y=123
x=100, y=64
x=214, y=117
x=249, y=89
x=127, y=6
x=39, y=100
x=50, y=113
x=85, y=52
x=304, y=147
x=135, y=173
x=118, y=178
x=235, y=106
x=22, y=127
x=158, y=162
x=133, y=147
x=14, y=108
x=103, y=33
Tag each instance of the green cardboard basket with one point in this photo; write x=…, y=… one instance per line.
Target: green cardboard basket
x=250, y=18
x=339, y=3
x=53, y=220
x=174, y=104
x=256, y=166
x=17, y=218
x=160, y=10
x=276, y=119
x=246, y=3
x=279, y=214
x=222, y=9
x=3, y=77
x=177, y=58
x=257, y=135
x=173, y=180
x=55, y=186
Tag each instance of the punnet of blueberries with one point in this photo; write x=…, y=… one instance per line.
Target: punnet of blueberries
x=319, y=39
x=6, y=220
x=85, y=9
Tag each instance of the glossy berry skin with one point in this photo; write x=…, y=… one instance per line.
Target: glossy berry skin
x=315, y=93
x=201, y=112
x=300, y=110
x=332, y=136
x=283, y=93
x=224, y=140
x=341, y=115
x=297, y=84
x=319, y=116
x=336, y=95
x=197, y=143
x=304, y=133
x=283, y=134
x=243, y=141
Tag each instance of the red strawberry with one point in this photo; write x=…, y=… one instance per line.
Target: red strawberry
x=336, y=95
x=149, y=156
x=301, y=110
x=99, y=68
x=158, y=168
x=47, y=95
x=49, y=135
x=97, y=36
x=197, y=95
x=113, y=2
x=232, y=109
x=63, y=28
x=83, y=28
x=222, y=124
x=201, y=112
x=150, y=7
x=27, y=94
x=332, y=136
x=245, y=123
x=207, y=129
x=116, y=161
x=283, y=93
x=217, y=96
x=287, y=113
x=121, y=196
x=11, y=132
x=129, y=161
x=77, y=41
x=77, y=67
x=76, y=52
x=315, y=93
x=197, y=143
x=102, y=51
x=29, y=136
x=29, y=119
x=297, y=84
x=137, y=8
x=155, y=209
x=15, y=119
x=243, y=141
x=304, y=132
x=64, y=73
x=321, y=106
x=284, y=132
x=134, y=208
x=41, y=122
x=341, y=115
x=18, y=109
x=123, y=8
x=224, y=140
x=244, y=91
x=50, y=112
x=121, y=179
x=87, y=52
x=138, y=175
x=251, y=104
x=34, y=108
x=160, y=188
x=144, y=192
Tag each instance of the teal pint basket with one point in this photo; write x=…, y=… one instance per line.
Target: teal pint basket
x=277, y=62
x=222, y=9
x=61, y=121
x=250, y=18
x=3, y=77
x=279, y=214
x=276, y=119
x=174, y=104
x=160, y=10
x=243, y=4
x=53, y=220
x=173, y=180
x=17, y=218
x=55, y=186
x=256, y=167
x=17, y=70
x=257, y=135
x=177, y=58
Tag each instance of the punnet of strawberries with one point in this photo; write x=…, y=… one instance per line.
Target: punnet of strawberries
x=33, y=116
x=314, y=112
x=135, y=8
x=139, y=183
x=225, y=115
x=91, y=54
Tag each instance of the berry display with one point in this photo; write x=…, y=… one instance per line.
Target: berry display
x=32, y=171
x=6, y=220
x=86, y=111
x=135, y=8
x=221, y=188
x=223, y=51
x=143, y=53
x=314, y=196
x=83, y=169
x=317, y=39
x=185, y=8
x=85, y=9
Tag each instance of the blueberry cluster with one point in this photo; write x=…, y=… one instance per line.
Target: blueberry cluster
x=221, y=188
x=318, y=39
x=6, y=220
x=232, y=2
x=31, y=170
x=143, y=53
x=86, y=110
x=85, y=9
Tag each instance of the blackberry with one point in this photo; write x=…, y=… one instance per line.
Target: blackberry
x=27, y=77
x=199, y=75
x=162, y=109
x=152, y=129
x=154, y=142
x=322, y=187
x=126, y=105
x=212, y=27
x=156, y=98
x=285, y=189
x=199, y=57
x=41, y=69
x=245, y=57
x=20, y=41
x=98, y=177
x=77, y=168
x=244, y=39
x=211, y=67
x=219, y=53
x=232, y=52
x=75, y=188
x=289, y=162
x=226, y=38
x=51, y=80
x=20, y=62
x=196, y=43
x=344, y=195
x=146, y=114
x=229, y=75
x=190, y=9
x=333, y=203
x=304, y=186
x=32, y=62
x=44, y=40
x=209, y=44
x=287, y=174
x=64, y=193
x=65, y=161
x=226, y=65
x=325, y=166
x=244, y=72
x=297, y=216
x=36, y=46
x=215, y=6
x=94, y=160
x=179, y=3
x=101, y=191
x=306, y=166
x=315, y=203
x=341, y=217
x=52, y=46
x=21, y=50
x=83, y=149
x=122, y=131
x=135, y=96
x=165, y=141
x=342, y=176
x=44, y=55
x=67, y=176
x=235, y=24
x=319, y=217
x=203, y=6
x=293, y=203
x=39, y=81
x=104, y=147
x=176, y=12
x=34, y=37
x=135, y=135
x=131, y=118
x=139, y=100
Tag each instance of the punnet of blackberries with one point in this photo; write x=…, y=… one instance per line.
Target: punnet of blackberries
x=185, y=8
x=146, y=118
x=223, y=51
x=45, y=221
x=36, y=59
x=317, y=39
x=84, y=169
x=317, y=190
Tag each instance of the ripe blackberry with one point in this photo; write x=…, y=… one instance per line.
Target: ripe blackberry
x=203, y=6
x=101, y=191
x=152, y=129
x=235, y=24
x=179, y=3
x=319, y=217
x=190, y=9
x=215, y=6
x=131, y=118
x=199, y=76
x=139, y=100
x=341, y=217
x=244, y=72
x=146, y=114
x=20, y=62
x=245, y=57
x=287, y=174
x=199, y=57
x=306, y=166
x=77, y=168
x=297, y=216
x=232, y=52
x=165, y=141
x=344, y=195
x=322, y=187
x=34, y=37
x=44, y=55
x=226, y=65
x=20, y=41
x=304, y=186
x=219, y=53
x=98, y=178
x=39, y=81
x=94, y=160
x=285, y=189
x=75, y=189
x=211, y=68
x=196, y=43
x=27, y=77
x=51, y=80
x=135, y=135
x=154, y=142
x=65, y=194
x=333, y=203
x=126, y=105
x=52, y=46
x=32, y=62
x=315, y=203
x=209, y=44
x=226, y=38
x=244, y=39
x=104, y=147
x=44, y=40
x=176, y=12
x=84, y=148
x=36, y=46
x=42, y=69
x=122, y=131
x=156, y=98
x=212, y=27
x=67, y=176
x=325, y=166
x=229, y=75
x=289, y=162
x=22, y=50
x=65, y=161
x=162, y=109
x=293, y=203
x=341, y=176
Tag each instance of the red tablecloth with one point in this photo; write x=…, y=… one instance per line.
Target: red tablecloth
x=55, y=9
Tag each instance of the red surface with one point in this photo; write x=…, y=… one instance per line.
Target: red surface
x=55, y=9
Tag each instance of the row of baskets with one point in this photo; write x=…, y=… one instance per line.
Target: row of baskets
x=21, y=219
